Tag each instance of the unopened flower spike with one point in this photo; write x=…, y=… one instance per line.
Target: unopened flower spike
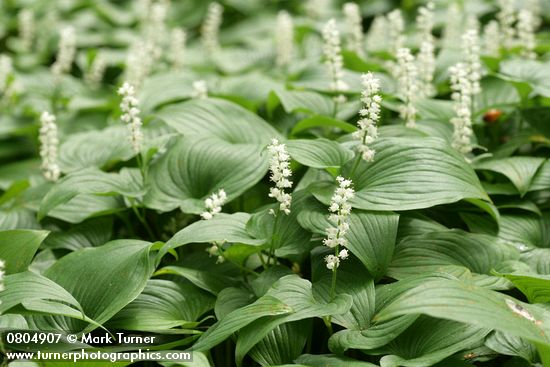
x=333, y=55
x=130, y=115
x=213, y=204
x=396, y=30
x=178, y=39
x=65, y=54
x=49, y=143
x=211, y=27
x=462, y=88
x=279, y=165
x=340, y=209
x=369, y=116
x=407, y=75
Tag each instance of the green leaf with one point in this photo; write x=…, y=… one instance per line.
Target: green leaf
x=17, y=248
x=163, y=88
x=90, y=181
x=458, y=301
x=526, y=230
x=323, y=122
x=511, y=346
x=209, y=281
x=538, y=118
x=318, y=153
x=519, y=170
x=195, y=167
x=325, y=360
x=535, y=73
x=538, y=260
x=496, y=93
x=535, y=287
x=410, y=173
x=428, y=252
x=91, y=233
x=103, y=279
x=297, y=294
x=429, y=341
x=220, y=118
x=162, y=306
x=541, y=181
x=305, y=101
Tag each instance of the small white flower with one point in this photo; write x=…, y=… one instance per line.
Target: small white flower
x=340, y=209
x=333, y=55
x=333, y=262
x=65, y=54
x=130, y=115
x=370, y=114
x=425, y=20
x=27, y=28
x=285, y=38
x=211, y=27
x=491, y=39
x=526, y=34
x=407, y=76
x=396, y=30
x=462, y=88
x=354, y=21
x=94, y=76
x=200, y=89
x=49, y=143
x=343, y=254
x=506, y=18
x=214, y=204
x=280, y=175
x=178, y=39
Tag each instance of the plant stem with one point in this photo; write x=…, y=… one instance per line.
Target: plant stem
x=142, y=220
x=273, y=234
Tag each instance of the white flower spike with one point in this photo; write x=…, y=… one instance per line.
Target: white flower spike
x=214, y=204
x=285, y=38
x=333, y=55
x=407, y=75
x=130, y=115
x=462, y=88
x=211, y=28
x=94, y=76
x=178, y=39
x=280, y=175
x=526, y=34
x=370, y=115
x=65, y=54
x=355, y=36
x=49, y=143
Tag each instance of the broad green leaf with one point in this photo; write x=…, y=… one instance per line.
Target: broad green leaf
x=223, y=227
x=91, y=233
x=318, y=153
x=305, y=101
x=103, y=279
x=209, y=281
x=283, y=344
x=512, y=346
x=429, y=341
x=195, y=167
x=95, y=148
x=90, y=181
x=435, y=109
x=371, y=236
x=541, y=181
x=535, y=287
x=410, y=173
x=458, y=301
x=322, y=122
x=538, y=118
x=526, y=230
x=238, y=319
x=163, y=305
x=496, y=93
x=218, y=118
x=537, y=74
x=325, y=360
x=163, y=88
x=17, y=248
x=428, y=252
x=538, y=260
x=519, y=170
x=297, y=294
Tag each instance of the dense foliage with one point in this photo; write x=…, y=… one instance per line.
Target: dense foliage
x=272, y=183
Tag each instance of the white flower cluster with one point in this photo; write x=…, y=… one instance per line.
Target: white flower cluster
x=48, y=147
x=471, y=51
x=534, y=6
x=396, y=30
x=200, y=89
x=526, y=33
x=155, y=32
x=27, y=29
x=285, y=38
x=426, y=56
x=491, y=39
x=95, y=73
x=340, y=209
x=65, y=54
x=215, y=250
x=178, y=40
x=370, y=114
x=211, y=27
x=334, y=60
x=407, y=75
x=354, y=21
x=214, y=204
x=376, y=36
x=462, y=88
x=506, y=18
x=280, y=175
x=130, y=115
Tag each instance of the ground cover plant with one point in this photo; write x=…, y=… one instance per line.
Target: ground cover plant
x=278, y=183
